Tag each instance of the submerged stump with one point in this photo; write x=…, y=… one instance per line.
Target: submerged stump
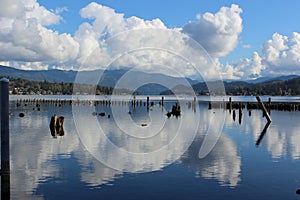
x=176, y=111
x=56, y=126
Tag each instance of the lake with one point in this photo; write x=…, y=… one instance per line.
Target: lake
x=137, y=152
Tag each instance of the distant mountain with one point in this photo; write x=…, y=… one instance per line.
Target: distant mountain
x=108, y=78
x=259, y=80
x=148, y=83
x=39, y=75
x=180, y=89
x=285, y=85
x=151, y=89
x=283, y=78
x=267, y=79
x=155, y=83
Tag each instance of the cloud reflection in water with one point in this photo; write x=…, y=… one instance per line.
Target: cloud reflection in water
x=37, y=162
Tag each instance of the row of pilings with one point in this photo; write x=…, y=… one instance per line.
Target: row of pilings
x=280, y=106
x=104, y=102
x=236, y=108
x=229, y=105
x=176, y=111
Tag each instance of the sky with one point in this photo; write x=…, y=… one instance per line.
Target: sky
x=242, y=39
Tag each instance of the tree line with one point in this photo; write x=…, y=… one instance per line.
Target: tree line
x=276, y=87
x=20, y=86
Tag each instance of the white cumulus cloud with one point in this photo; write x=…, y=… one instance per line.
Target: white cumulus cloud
x=247, y=68
x=105, y=24
x=117, y=35
x=217, y=33
x=25, y=36
x=31, y=43
x=280, y=55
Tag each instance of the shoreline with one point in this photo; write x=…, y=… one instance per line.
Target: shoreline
x=244, y=99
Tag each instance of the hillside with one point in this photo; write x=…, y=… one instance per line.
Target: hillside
x=109, y=78
x=271, y=87
x=25, y=87
x=282, y=85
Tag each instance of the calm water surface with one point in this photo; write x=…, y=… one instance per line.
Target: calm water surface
x=44, y=167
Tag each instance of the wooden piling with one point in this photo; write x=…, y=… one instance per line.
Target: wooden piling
x=5, y=163
x=269, y=106
x=264, y=109
x=240, y=119
x=5, y=186
x=240, y=113
x=148, y=103
x=4, y=102
x=134, y=101
x=240, y=109
x=230, y=105
x=194, y=104
x=233, y=115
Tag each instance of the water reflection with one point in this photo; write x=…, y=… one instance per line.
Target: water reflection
x=280, y=138
x=32, y=150
x=36, y=161
x=223, y=163
x=36, y=158
x=124, y=145
x=261, y=136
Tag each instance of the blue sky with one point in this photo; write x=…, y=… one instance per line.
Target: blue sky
x=261, y=18
x=266, y=44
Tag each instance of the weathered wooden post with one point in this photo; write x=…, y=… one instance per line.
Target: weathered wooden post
x=194, y=104
x=264, y=109
x=269, y=106
x=209, y=105
x=147, y=103
x=240, y=108
x=240, y=112
x=141, y=103
x=233, y=115
x=5, y=186
x=134, y=101
x=5, y=163
x=230, y=105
